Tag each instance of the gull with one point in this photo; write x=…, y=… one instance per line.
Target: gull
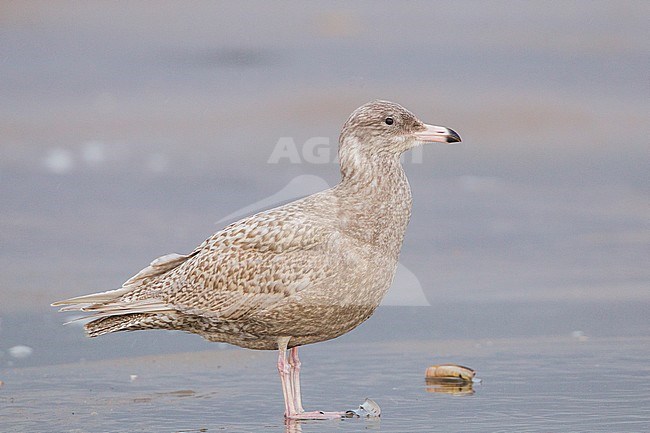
x=305, y=272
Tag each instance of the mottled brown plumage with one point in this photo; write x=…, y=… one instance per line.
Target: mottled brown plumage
x=301, y=273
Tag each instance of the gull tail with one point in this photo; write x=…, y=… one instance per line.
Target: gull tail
x=112, y=311
x=111, y=314
x=81, y=303
x=106, y=325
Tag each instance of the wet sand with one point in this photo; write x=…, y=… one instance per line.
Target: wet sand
x=554, y=384
x=539, y=372
x=126, y=133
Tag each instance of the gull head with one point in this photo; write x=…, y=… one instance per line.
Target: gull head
x=383, y=127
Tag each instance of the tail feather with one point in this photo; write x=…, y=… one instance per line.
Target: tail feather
x=80, y=302
x=124, y=309
x=118, y=315
x=106, y=325
x=111, y=314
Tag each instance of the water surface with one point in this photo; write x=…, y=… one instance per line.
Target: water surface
x=127, y=132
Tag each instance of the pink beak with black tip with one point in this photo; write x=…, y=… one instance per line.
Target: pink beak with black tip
x=438, y=134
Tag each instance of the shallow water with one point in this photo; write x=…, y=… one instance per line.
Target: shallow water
x=538, y=384
x=539, y=372
x=127, y=132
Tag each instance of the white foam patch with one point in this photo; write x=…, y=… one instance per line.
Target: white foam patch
x=59, y=161
x=20, y=352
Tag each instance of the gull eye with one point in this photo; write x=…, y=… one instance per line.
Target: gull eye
x=389, y=121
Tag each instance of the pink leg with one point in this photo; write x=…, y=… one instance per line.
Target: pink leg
x=294, y=363
x=285, y=378
x=290, y=376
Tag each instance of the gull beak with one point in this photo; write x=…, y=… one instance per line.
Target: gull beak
x=437, y=133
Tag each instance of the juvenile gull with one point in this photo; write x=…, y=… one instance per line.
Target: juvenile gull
x=301, y=273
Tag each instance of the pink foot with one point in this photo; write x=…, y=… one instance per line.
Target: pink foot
x=317, y=414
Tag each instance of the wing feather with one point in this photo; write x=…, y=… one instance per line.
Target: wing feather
x=251, y=264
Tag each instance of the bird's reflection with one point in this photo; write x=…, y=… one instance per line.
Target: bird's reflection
x=295, y=425
x=292, y=426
